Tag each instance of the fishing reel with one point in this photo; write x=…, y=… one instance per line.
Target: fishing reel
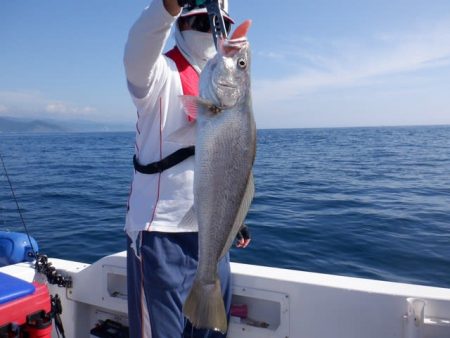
x=218, y=28
x=45, y=267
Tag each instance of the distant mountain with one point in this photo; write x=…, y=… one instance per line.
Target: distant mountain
x=10, y=124
x=23, y=125
x=92, y=126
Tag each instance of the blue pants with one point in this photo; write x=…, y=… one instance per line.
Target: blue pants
x=159, y=282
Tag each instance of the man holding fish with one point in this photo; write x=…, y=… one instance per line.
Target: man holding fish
x=180, y=226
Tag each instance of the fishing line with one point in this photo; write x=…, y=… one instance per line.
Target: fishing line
x=2, y=212
x=17, y=205
x=43, y=266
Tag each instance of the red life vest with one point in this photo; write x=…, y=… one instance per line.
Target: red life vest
x=189, y=82
x=188, y=76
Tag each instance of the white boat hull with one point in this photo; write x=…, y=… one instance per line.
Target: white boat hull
x=281, y=303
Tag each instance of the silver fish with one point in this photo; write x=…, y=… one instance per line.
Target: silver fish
x=223, y=180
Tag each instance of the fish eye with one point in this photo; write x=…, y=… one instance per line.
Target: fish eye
x=242, y=63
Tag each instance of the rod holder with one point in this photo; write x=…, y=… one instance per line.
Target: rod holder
x=414, y=318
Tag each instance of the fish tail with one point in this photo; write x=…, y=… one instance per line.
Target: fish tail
x=204, y=307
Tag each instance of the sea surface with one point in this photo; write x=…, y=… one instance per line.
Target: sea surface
x=365, y=202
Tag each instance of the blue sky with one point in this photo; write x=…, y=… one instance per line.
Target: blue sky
x=316, y=63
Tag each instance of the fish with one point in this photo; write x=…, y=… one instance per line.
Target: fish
x=225, y=150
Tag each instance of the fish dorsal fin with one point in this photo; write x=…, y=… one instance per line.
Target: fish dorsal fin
x=242, y=213
x=189, y=219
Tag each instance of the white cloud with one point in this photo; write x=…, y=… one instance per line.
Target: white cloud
x=27, y=103
x=271, y=55
x=355, y=82
x=63, y=108
x=25, y=96
x=345, y=63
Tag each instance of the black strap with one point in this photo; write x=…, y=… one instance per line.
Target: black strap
x=168, y=162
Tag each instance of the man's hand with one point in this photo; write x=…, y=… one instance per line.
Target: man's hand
x=172, y=6
x=243, y=237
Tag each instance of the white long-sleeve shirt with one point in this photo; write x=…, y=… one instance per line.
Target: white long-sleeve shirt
x=157, y=202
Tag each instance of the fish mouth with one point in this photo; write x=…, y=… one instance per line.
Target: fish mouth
x=231, y=47
x=236, y=43
x=226, y=85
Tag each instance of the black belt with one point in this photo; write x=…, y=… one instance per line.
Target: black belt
x=168, y=162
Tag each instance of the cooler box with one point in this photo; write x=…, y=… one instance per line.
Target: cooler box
x=24, y=307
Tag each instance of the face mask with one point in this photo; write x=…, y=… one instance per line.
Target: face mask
x=198, y=47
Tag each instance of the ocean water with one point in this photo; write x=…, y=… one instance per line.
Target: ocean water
x=364, y=202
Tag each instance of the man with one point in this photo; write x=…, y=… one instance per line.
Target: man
x=162, y=253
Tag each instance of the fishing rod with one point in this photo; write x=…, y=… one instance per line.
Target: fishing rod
x=42, y=265
x=34, y=253
x=216, y=20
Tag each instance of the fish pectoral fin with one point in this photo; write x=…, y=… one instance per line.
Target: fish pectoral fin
x=192, y=105
x=242, y=213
